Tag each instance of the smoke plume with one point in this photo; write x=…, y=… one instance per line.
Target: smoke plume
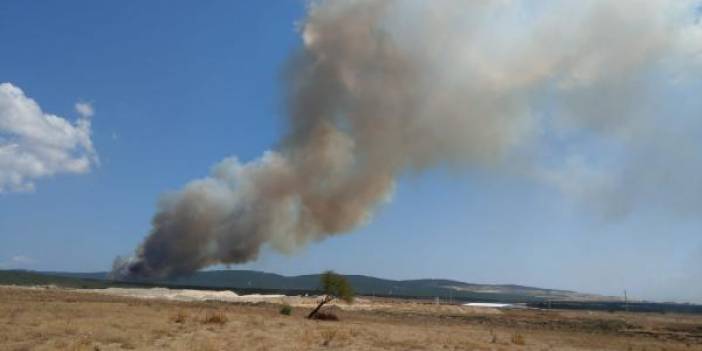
x=379, y=88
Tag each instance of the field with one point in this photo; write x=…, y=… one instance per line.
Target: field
x=64, y=319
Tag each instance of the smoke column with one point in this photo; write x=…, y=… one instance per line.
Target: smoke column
x=379, y=88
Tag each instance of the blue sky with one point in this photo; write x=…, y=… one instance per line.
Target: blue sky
x=177, y=86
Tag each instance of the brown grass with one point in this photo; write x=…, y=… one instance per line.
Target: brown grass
x=328, y=336
x=326, y=316
x=54, y=319
x=518, y=339
x=215, y=318
x=179, y=317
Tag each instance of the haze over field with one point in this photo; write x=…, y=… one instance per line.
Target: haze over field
x=577, y=126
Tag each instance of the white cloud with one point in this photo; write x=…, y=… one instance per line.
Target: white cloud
x=35, y=144
x=22, y=260
x=85, y=109
x=18, y=261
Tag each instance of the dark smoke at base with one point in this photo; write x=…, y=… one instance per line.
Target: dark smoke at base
x=383, y=87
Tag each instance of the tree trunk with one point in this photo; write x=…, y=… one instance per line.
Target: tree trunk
x=326, y=299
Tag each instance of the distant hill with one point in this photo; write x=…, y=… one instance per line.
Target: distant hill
x=19, y=277
x=260, y=282
x=247, y=280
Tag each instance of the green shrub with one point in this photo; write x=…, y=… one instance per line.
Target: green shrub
x=334, y=286
x=286, y=310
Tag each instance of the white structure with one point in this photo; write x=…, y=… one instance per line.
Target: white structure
x=489, y=305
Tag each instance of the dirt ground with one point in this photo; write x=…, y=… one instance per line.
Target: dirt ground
x=59, y=319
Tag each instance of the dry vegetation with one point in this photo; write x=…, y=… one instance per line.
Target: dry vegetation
x=53, y=319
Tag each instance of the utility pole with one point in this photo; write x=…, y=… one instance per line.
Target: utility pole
x=626, y=301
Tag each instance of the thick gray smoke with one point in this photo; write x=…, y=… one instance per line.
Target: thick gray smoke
x=384, y=87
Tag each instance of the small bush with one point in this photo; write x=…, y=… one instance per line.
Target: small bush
x=334, y=286
x=286, y=310
x=179, y=317
x=518, y=339
x=215, y=318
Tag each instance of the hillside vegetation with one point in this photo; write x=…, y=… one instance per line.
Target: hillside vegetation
x=255, y=281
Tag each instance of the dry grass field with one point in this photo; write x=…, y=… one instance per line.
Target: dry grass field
x=57, y=319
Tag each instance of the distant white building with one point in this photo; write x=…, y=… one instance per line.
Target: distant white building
x=489, y=305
